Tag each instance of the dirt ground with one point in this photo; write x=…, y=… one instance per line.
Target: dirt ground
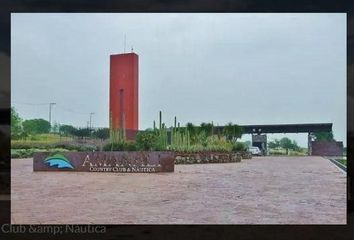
x=261, y=190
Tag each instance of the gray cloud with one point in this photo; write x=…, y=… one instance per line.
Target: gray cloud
x=243, y=68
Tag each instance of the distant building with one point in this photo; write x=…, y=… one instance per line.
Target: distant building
x=123, y=100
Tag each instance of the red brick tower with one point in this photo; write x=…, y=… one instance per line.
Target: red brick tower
x=123, y=100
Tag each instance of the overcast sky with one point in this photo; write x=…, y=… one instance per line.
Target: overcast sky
x=240, y=68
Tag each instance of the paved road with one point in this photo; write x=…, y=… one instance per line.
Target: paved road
x=262, y=190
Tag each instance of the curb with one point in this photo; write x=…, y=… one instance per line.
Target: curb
x=338, y=164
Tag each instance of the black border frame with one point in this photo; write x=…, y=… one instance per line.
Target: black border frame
x=195, y=231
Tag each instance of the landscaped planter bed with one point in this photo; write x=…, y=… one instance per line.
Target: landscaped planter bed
x=125, y=161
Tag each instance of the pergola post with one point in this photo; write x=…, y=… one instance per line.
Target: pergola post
x=309, y=143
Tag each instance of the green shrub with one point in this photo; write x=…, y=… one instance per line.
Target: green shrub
x=29, y=145
x=65, y=145
x=216, y=143
x=277, y=152
x=83, y=147
x=26, y=153
x=130, y=146
x=296, y=153
x=114, y=146
x=239, y=146
x=122, y=146
x=102, y=133
x=15, y=154
x=147, y=140
x=36, y=126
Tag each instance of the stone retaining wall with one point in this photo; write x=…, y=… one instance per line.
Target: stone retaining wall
x=210, y=157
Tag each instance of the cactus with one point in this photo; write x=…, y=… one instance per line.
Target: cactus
x=160, y=120
x=117, y=135
x=123, y=128
x=161, y=133
x=181, y=138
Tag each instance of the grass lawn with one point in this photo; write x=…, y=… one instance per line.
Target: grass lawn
x=342, y=161
x=43, y=138
x=281, y=151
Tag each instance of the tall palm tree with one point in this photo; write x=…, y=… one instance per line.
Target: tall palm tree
x=229, y=131
x=192, y=131
x=207, y=128
x=238, y=131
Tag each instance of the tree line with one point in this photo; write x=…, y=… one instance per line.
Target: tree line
x=284, y=143
x=287, y=144
x=21, y=129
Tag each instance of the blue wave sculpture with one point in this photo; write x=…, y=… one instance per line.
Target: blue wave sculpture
x=58, y=161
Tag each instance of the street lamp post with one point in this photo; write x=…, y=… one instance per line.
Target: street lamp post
x=91, y=120
x=50, y=114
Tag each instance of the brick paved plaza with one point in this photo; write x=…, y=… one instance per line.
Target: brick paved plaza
x=262, y=190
